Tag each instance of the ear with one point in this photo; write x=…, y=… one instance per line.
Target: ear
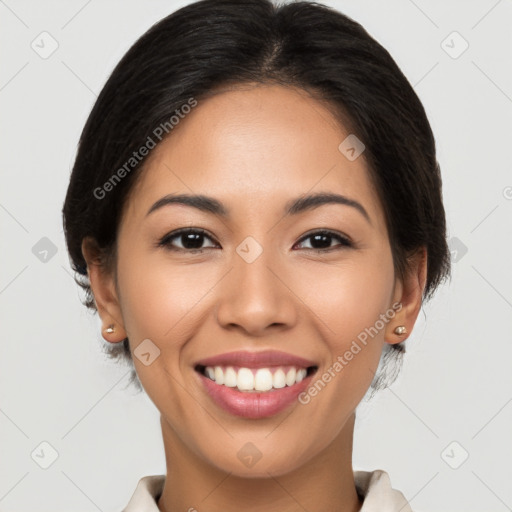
x=104, y=291
x=408, y=292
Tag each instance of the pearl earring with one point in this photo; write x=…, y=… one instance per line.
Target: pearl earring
x=400, y=330
x=110, y=329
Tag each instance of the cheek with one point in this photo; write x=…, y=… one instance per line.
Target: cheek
x=160, y=300
x=348, y=296
x=350, y=302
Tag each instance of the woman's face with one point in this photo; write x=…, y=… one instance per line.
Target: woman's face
x=256, y=280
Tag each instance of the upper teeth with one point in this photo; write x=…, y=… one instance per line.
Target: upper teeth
x=262, y=379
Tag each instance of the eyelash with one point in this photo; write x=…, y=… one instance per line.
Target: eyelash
x=165, y=241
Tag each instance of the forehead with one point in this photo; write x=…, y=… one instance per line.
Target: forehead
x=253, y=148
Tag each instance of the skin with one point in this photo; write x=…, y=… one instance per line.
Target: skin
x=254, y=148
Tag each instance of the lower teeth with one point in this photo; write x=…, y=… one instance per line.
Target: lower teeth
x=256, y=391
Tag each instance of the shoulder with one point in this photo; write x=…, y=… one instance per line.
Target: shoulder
x=146, y=494
x=378, y=494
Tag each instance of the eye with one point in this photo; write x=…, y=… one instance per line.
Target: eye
x=191, y=240
x=321, y=241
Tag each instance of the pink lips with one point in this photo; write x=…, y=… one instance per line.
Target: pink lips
x=254, y=405
x=262, y=359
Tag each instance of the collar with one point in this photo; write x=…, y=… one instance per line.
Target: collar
x=373, y=486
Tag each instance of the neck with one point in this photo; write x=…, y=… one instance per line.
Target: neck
x=325, y=482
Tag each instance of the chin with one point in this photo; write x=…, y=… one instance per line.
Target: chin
x=249, y=462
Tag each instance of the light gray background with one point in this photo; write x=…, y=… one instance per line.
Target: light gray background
x=56, y=386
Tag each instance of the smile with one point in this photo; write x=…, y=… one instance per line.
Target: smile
x=253, y=380
x=255, y=384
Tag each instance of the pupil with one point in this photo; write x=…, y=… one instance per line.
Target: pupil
x=195, y=241
x=192, y=240
x=321, y=238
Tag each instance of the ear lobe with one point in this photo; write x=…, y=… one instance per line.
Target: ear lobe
x=101, y=280
x=410, y=294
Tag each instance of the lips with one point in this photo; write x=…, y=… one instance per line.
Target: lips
x=262, y=359
x=268, y=393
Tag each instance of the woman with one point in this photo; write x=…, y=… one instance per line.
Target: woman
x=255, y=212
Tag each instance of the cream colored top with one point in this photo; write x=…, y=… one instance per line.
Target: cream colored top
x=373, y=486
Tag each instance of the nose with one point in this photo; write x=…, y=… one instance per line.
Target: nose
x=256, y=297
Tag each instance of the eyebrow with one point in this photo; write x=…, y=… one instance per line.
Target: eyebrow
x=293, y=207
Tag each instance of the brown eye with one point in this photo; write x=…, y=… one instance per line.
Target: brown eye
x=322, y=240
x=186, y=240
